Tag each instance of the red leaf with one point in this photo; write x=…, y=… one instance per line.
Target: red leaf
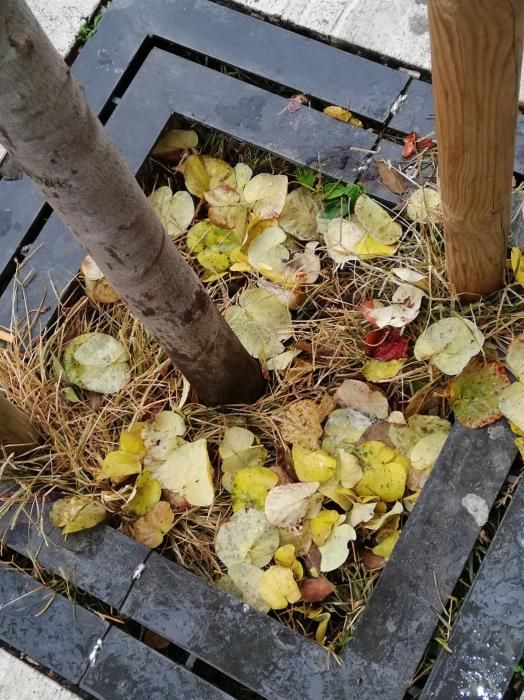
x=314, y=590
x=386, y=344
x=372, y=562
x=296, y=102
x=410, y=145
x=426, y=143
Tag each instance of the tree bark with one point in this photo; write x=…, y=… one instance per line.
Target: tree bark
x=16, y=431
x=476, y=49
x=46, y=125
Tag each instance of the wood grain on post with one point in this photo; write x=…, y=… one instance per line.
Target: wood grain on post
x=17, y=434
x=476, y=48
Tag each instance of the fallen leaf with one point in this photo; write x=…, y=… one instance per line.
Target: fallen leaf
x=384, y=469
x=246, y=578
x=175, y=211
x=369, y=248
x=248, y=538
x=97, y=362
x=378, y=521
x=372, y=562
x=285, y=555
x=147, y=493
x=300, y=423
x=405, y=437
x=222, y=195
x=314, y=590
x=150, y=529
x=322, y=525
x=118, y=465
x=75, y=513
x=423, y=206
x=410, y=145
x=239, y=449
x=353, y=393
x=303, y=268
x=312, y=561
x=162, y=436
x=213, y=245
x=517, y=264
x=449, y=344
x=97, y=287
x=243, y=174
x=511, y=404
x=343, y=429
x=287, y=505
x=282, y=361
x=385, y=344
x=204, y=173
x=411, y=276
x=349, y=471
x=131, y=440
x=267, y=194
x=174, y=141
x=339, y=113
x=361, y=513
x=391, y=178
x=187, y=471
x=386, y=546
x=404, y=308
x=376, y=221
x=341, y=239
x=299, y=215
x=251, y=485
x=278, y=588
x=515, y=357
x=425, y=452
x=312, y=465
x=266, y=254
x=417, y=479
x=296, y=103
x=335, y=551
x=260, y=322
x=378, y=371
x=474, y=394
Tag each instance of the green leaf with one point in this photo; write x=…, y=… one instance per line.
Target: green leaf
x=76, y=513
x=306, y=177
x=147, y=494
x=97, y=362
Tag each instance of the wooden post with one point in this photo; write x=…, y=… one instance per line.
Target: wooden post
x=17, y=433
x=476, y=48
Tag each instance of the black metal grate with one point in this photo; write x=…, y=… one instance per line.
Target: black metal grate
x=145, y=63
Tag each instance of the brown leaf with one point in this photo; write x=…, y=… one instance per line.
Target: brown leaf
x=391, y=178
x=312, y=561
x=422, y=401
x=377, y=431
x=155, y=641
x=284, y=476
x=372, y=562
x=300, y=423
x=314, y=590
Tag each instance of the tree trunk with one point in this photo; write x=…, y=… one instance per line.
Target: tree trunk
x=476, y=48
x=16, y=432
x=46, y=125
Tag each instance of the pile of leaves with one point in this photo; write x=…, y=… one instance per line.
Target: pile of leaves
x=296, y=503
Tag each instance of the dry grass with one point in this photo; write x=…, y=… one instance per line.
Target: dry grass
x=329, y=328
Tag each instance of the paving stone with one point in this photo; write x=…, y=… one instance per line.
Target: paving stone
x=126, y=669
x=256, y=650
x=270, y=8
x=487, y=640
x=45, y=626
x=416, y=112
x=318, y=17
x=21, y=681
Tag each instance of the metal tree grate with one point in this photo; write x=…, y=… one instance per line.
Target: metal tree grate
x=146, y=63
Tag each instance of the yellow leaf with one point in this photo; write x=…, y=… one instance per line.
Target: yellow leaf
x=424, y=206
x=246, y=578
x=379, y=521
x=299, y=215
x=321, y=630
x=267, y=194
x=251, y=486
x=187, y=471
x=426, y=451
x=517, y=264
x=175, y=210
x=370, y=248
x=285, y=555
x=335, y=551
x=385, y=471
x=97, y=362
x=342, y=238
x=405, y=437
x=118, y=465
x=147, y=494
x=515, y=357
x=381, y=371
x=174, y=140
x=339, y=113
x=247, y=537
x=377, y=223
x=361, y=513
x=75, y=513
x=97, y=287
x=386, y=546
x=511, y=404
x=278, y=588
x=131, y=440
x=266, y=254
x=162, y=435
x=300, y=424
x=354, y=121
x=322, y=525
x=519, y=442
x=344, y=427
x=204, y=173
x=151, y=528
x=312, y=465
x=349, y=470
x=239, y=449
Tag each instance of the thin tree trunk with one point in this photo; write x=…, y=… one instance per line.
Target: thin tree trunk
x=46, y=125
x=16, y=431
x=476, y=48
